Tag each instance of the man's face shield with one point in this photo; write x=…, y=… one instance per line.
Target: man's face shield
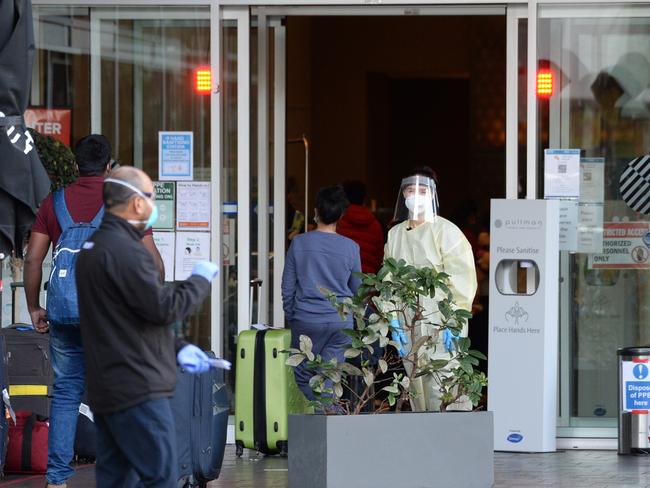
x=417, y=200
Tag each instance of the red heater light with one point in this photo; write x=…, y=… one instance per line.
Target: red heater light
x=203, y=81
x=544, y=83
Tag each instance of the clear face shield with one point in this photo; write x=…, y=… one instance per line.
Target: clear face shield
x=417, y=200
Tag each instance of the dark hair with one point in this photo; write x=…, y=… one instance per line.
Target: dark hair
x=355, y=191
x=331, y=203
x=92, y=153
x=425, y=171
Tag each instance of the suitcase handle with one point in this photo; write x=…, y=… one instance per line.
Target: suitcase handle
x=256, y=285
x=14, y=287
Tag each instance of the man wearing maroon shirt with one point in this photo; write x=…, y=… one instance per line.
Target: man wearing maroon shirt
x=84, y=200
x=359, y=224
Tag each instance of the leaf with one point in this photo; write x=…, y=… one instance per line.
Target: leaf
x=384, y=328
x=383, y=272
x=374, y=319
x=335, y=376
x=338, y=390
x=350, y=332
x=369, y=339
x=368, y=377
x=383, y=365
x=383, y=341
x=477, y=354
x=351, y=352
x=351, y=369
x=466, y=314
x=391, y=400
x=391, y=389
x=295, y=360
x=466, y=366
x=306, y=346
x=463, y=344
x=438, y=364
x=406, y=382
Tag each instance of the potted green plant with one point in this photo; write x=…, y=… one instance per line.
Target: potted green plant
x=57, y=158
x=339, y=447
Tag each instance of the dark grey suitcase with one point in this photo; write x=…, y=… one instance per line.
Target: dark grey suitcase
x=200, y=407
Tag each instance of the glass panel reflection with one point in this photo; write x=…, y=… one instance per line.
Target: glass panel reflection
x=601, y=105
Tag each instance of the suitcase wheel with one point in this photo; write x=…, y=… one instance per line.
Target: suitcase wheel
x=284, y=448
x=185, y=482
x=239, y=448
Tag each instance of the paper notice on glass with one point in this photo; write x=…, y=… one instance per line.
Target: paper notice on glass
x=165, y=242
x=568, y=225
x=625, y=246
x=191, y=247
x=590, y=228
x=193, y=205
x=166, y=203
x=229, y=242
x=561, y=173
x=592, y=180
x=175, y=155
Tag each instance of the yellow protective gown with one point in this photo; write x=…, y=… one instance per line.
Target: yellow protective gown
x=442, y=246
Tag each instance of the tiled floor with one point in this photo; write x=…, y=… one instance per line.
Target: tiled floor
x=570, y=469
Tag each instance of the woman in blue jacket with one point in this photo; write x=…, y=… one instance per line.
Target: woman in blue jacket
x=321, y=259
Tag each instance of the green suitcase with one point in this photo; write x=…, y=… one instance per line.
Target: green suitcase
x=265, y=391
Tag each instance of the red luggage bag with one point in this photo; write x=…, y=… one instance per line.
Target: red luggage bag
x=27, y=449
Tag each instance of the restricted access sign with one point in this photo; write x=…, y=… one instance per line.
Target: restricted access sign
x=625, y=246
x=636, y=384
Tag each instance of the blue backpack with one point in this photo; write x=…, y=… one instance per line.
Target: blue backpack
x=62, y=306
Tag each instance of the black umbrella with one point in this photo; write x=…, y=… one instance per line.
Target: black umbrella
x=23, y=179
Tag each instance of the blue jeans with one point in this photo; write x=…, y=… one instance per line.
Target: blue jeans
x=67, y=357
x=137, y=447
x=328, y=340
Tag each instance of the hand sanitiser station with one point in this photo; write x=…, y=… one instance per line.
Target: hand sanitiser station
x=523, y=324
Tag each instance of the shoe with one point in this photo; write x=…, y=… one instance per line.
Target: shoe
x=50, y=485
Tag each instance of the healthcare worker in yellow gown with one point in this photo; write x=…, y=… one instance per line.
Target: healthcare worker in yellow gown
x=425, y=239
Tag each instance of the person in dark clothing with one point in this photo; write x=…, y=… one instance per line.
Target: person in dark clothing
x=83, y=200
x=359, y=224
x=318, y=260
x=126, y=314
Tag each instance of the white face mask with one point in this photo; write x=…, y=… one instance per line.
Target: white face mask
x=410, y=204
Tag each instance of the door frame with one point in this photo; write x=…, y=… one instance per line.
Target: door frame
x=262, y=15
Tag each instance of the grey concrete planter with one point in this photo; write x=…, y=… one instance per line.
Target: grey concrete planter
x=406, y=450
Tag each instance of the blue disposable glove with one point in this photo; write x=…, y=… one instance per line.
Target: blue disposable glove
x=220, y=363
x=399, y=336
x=193, y=360
x=449, y=340
x=206, y=269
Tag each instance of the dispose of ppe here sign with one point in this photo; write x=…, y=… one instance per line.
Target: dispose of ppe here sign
x=636, y=384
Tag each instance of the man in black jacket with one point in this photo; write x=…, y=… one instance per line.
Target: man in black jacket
x=130, y=351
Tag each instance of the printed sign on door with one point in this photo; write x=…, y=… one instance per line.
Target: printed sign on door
x=636, y=384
